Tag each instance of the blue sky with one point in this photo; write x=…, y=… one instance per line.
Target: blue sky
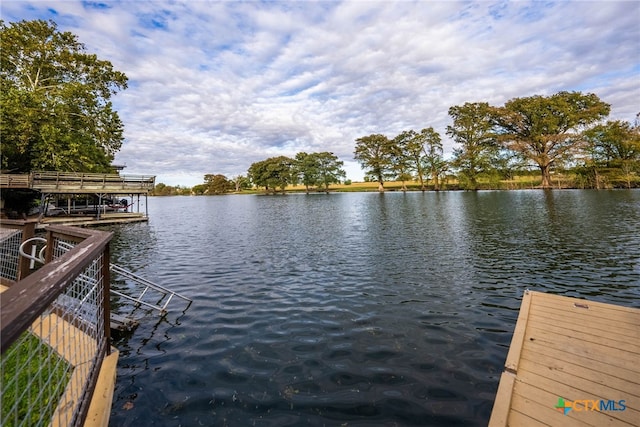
x=216, y=86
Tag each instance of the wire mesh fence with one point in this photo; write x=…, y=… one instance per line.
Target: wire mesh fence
x=10, y=239
x=49, y=372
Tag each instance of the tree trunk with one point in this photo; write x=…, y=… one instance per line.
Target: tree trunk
x=626, y=168
x=380, y=183
x=546, y=176
x=434, y=177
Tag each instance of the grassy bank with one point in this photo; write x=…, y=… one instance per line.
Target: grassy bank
x=559, y=181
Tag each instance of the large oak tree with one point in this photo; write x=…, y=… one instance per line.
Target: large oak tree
x=273, y=173
x=547, y=129
x=56, y=110
x=319, y=169
x=473, y=130
x=375, y=155
x=432, y=159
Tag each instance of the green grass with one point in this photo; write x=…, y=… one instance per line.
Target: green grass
x=34, y=378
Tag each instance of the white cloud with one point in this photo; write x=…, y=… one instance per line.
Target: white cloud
x=216, y=86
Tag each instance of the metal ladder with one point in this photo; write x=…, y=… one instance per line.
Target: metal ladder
x=147, y=292
x=152, y=296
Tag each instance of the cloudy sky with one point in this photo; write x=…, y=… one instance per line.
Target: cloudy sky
x=216, y=86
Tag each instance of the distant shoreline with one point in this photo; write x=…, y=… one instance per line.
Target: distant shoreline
x=396, y=186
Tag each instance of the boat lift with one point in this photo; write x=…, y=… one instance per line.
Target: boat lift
x=139, y=294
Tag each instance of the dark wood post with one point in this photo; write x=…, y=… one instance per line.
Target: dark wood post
x=48, y=254
x=28, y=231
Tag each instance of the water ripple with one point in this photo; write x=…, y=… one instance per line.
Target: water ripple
x=363, y=309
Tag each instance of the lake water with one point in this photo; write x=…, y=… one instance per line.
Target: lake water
x=355, y=308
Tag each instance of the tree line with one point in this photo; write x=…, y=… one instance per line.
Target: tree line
x=561, y=131
x=313, y=170
x=558, y=132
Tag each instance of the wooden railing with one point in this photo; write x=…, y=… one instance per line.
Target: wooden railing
x=67, y=182
x=64, y=305
x=15, y=181
x=56, y=181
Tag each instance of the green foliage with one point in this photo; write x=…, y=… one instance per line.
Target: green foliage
x=28, y=363
x=613, y=143
x=472, y=128
x=432, y=160
x=240, y=182
x=548, y=130
x=402, y=152
x=615, y=147
x=375, y=154
x=199, y=189
x=327, y=169
x=56, y=113
x=273, y=173
x=217, y=184
x=161, y=189
x=306, y=170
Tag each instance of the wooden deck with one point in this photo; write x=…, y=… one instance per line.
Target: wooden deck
x=572, y=362
x=91, y=221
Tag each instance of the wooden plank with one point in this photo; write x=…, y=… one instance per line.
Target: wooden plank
x=100, y=407
x=560, y=334
x=15, y=181
x=69, y=342
x=540, y=405
x=599, y=390
x=627, y=318
x=566, y=358
x=604, y=326
x=517, y=340
x=592, y=350
x=599, y=309
x=552, y=299
x=518, y=419
x=548, y=387
x=502, y=405
x=553, y=366
x=77, y=348
x=592, y=308
x=584, y=332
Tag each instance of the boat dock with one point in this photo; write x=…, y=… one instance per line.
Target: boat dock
x=572, y=362
x=65, y=187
